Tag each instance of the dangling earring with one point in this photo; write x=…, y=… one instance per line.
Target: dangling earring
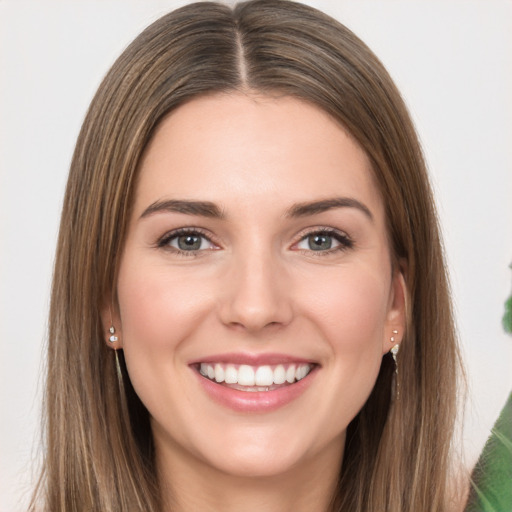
x=394, y=350
x=395, y=393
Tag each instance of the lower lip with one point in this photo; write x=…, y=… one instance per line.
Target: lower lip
x=255, y=401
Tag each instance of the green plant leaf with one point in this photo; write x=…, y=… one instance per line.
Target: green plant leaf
x=491, y=480
x=507, y=316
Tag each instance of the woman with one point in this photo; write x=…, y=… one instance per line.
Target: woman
x=248, y=236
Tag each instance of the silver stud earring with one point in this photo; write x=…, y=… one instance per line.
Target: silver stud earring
x=113, y=338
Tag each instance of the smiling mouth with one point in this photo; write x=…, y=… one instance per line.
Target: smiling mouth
x=254, y=378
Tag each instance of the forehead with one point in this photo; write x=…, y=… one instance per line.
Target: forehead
x=236, y=149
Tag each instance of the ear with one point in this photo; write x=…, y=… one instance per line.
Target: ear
x=111, y=324
x=396, y=319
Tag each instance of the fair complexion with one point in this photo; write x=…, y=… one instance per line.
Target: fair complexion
x=257, y=239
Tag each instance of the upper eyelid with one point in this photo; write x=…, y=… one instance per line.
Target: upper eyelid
x=169, y=235
x=321, y=229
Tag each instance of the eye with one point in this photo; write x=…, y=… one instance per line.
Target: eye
x=324, y=241
x=186, y=241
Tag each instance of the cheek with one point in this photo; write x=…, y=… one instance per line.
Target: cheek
x=155, y=303
x=352, y=310
x=351, y=313
x=158, y=310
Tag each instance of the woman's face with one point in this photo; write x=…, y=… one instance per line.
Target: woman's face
x=256, y=293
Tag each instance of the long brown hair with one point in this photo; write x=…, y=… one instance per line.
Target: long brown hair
x=99, y=448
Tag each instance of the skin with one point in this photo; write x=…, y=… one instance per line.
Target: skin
x=255, y=286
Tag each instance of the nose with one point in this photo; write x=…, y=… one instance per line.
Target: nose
x=256, y=295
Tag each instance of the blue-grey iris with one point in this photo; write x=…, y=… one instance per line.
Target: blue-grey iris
x=319, y=242
x=189, y=242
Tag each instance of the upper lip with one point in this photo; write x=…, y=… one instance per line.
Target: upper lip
x=240, y=358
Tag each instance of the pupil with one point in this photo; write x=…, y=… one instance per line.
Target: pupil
x=189, y=242
x=320, y=242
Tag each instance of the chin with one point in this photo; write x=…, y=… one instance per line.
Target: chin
x=264, y=451
x=256, y=463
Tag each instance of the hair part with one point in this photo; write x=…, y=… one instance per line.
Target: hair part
x=99, y=447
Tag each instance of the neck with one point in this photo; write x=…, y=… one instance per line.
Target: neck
x=190, y=484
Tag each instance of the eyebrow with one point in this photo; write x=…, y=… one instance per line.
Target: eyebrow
x=315, y=207
x=211, y=210
x=201, y=208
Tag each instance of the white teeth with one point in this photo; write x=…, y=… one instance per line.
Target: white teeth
x=301, y=372
x=290, y=374
x=231, y=375
x=259, y=377
x=264, y=376
x=219, y=373
x=246, y=375
x=305, y=369
x=279, y=375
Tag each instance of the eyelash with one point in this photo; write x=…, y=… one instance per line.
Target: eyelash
x=345, y=242
x=164, y=242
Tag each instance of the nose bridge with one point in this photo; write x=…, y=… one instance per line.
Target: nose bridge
x=257, y=293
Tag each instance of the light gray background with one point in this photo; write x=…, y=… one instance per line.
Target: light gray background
x=451, y=59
